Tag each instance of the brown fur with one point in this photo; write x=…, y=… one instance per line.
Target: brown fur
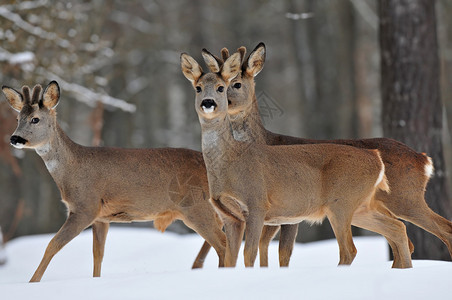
x=405, y=168
x=253, y=184
x=100, y=185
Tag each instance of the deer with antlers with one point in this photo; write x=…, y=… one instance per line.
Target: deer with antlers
x=408, y=172
x=100, y=185
x=253, y=184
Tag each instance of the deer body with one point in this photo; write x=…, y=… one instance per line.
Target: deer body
x=407, y=171
x=247, y=125
x=252, y=184
x=100, y=185
x=315, y=177
x=121, y=194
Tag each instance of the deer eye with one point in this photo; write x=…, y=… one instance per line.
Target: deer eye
x=35, y=121
x=198, y=89
x=237, y=85
x=220, y=89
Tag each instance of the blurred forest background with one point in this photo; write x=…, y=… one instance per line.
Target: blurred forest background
x=117, y=63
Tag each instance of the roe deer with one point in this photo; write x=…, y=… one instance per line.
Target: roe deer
x=407, y=171
x=252, y=184
x=247, y=126
x=100, y=185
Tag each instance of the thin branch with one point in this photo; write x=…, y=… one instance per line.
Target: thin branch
x=87, y=96
x=300, y=16
x=24, y=5
x=16, y=58
x=34, y=30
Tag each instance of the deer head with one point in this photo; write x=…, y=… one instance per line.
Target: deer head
x=37, y=115
x=241, y=91
x=211, y=98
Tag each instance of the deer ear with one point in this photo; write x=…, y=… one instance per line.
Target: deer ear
x=242, y=51
x=224, y=54
x=231, y=67
x=255, y=62
x=191, y=69
x=14, y=98
x=212, y=62
x=51, y=95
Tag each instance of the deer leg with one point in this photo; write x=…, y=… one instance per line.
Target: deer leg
x=234, y=230
x=74, y=224
x=209, y=227
x=268, y=233
x=342, y=229
x=421, y=215
x=100, y=231
x=382, y=222
x=253, y=230
x=286, y=242
x=200, y=258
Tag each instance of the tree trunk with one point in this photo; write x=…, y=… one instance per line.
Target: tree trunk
x=412, y=109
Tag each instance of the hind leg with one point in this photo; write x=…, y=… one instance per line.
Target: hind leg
x=411, y=206
x=341, y=224
x=421, y=215
x=201, y=257
x=209, y=227
x=100, y=231
x=379, y=220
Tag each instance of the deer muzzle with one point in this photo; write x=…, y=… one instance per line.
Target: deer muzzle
x=208, y=105
x=17, y=141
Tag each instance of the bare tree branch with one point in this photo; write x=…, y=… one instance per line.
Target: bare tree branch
x=87, y=96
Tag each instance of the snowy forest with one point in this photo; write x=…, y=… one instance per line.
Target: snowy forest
x=118, y=65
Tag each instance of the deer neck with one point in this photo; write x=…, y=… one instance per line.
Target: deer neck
x=247, y=125
x=57, y=152
x=219, y=147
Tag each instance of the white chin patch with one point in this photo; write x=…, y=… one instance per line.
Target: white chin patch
x=208, y=110
x=19, y=146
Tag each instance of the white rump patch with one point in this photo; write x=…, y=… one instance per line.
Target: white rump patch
x=428, y=168
x=381, y=176
x=208, y=110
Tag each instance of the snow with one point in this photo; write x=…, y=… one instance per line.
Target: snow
x=142, y=263
x=17, y=58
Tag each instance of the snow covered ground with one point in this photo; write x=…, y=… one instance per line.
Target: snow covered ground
x=141, y=263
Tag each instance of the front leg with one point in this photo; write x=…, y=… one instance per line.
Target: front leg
x=100, y=231
x=268, y=233
x=234, y=234
x=253, y=230
x=74, y=224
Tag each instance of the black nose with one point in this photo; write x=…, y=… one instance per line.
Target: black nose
x=15, y=139
x=208, y=103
